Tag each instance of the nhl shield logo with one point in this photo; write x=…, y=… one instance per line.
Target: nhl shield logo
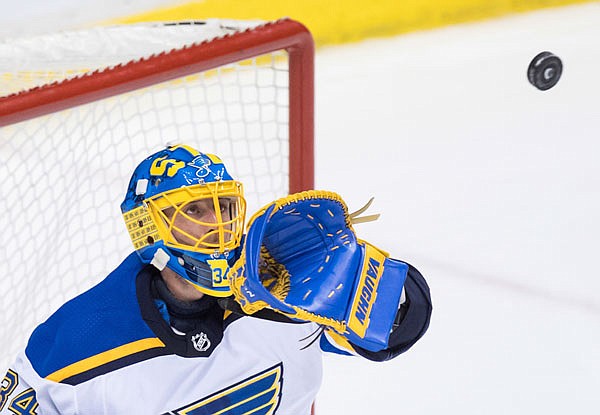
x=201, y=342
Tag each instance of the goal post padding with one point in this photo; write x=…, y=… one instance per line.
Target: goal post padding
x=68, y=144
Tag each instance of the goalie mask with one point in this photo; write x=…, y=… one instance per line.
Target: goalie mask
x=184, y=211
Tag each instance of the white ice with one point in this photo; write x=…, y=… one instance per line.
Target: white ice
x=490, y=188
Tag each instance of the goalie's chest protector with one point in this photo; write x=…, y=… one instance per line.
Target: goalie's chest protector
x=115, y=366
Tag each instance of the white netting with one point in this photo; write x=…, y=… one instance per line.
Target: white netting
x=34, y=61
x=64, y=175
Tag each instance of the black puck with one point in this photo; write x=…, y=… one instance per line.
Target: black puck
x=544, y=70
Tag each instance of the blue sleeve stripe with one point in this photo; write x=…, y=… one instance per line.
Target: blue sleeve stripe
x=104, y=358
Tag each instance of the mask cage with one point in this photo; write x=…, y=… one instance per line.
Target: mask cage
x=222, y=235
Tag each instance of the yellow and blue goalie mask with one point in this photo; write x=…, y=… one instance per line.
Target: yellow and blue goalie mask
x=184, y=211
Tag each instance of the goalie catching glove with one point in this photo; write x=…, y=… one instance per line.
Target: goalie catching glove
x=302, y=258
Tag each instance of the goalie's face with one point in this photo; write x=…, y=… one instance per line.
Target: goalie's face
x=199, y=223
x=205, y=218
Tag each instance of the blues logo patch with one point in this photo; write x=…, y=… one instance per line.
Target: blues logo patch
x=257, y=395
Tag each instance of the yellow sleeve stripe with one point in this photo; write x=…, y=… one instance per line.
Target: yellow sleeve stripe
x=104, y=357
x=340, y=341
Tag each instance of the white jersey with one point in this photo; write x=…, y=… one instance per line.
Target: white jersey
x=107, y=352
x=258, y=364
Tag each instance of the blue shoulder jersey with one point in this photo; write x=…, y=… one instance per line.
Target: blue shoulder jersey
x=98, y=331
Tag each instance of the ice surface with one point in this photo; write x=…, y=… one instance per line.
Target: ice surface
x=491, y=188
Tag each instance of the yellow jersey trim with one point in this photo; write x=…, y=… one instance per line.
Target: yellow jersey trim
x=104, y=357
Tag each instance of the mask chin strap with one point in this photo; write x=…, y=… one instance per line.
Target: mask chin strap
x=197, y=271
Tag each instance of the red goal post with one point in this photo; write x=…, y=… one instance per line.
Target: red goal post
x=62, y=228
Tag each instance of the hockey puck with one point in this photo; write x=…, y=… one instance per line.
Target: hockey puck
x=544, y=70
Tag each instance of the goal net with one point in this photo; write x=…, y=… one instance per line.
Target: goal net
x=79, y=110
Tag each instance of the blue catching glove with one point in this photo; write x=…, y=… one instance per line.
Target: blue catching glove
x=301, y=258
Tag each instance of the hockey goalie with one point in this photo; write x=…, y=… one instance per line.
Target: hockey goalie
x=211, y=315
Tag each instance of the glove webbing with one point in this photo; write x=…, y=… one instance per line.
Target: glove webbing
x=277, y=277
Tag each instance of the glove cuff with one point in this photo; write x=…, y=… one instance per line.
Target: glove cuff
x=377, y=292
